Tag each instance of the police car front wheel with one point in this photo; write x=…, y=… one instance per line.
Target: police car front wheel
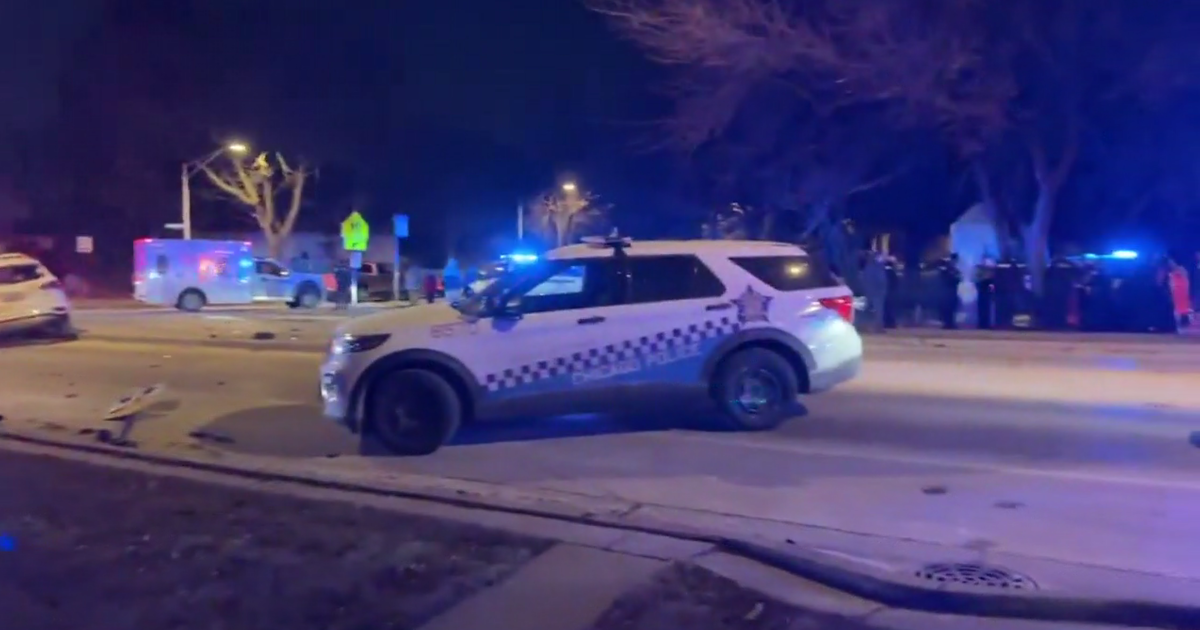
x=756, y=389
x=414, y=412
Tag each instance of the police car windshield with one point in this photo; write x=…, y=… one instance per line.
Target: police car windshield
x=504, y=282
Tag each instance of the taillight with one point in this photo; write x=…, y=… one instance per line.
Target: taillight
x=51, y=284
x=843, y=305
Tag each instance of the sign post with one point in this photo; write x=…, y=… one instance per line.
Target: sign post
x=355, y=236
x=400, y=230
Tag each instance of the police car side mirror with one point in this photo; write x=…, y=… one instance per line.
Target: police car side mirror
x=509, y=308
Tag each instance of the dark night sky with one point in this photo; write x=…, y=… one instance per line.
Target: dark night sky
x=448, y=110
x=465, y=104
x=34, y=46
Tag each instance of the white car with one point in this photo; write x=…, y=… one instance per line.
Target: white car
x=32, y=299
x=755, y=323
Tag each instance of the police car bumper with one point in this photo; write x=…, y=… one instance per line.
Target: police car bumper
x=33, y=321
x=836, y=360
x=336, y=402
x=827, y=377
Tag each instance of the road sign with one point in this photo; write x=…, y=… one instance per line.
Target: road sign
x=84, y=245
x=355, y=233
x=400, y=225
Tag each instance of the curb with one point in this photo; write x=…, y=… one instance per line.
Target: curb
x=858, y=581
x=964, y=600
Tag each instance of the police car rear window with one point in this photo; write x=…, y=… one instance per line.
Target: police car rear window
x=788, y=273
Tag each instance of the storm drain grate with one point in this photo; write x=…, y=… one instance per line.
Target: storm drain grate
x=975, y=575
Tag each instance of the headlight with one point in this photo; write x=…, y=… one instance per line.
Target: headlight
x=349, y=344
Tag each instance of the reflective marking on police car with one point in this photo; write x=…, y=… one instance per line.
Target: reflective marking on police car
x=680, y=348
x=753, y=307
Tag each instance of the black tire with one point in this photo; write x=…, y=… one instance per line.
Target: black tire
x=771, y=378
x=191, y=300
x=61, y=328
x=309, y=296
x=413, y=412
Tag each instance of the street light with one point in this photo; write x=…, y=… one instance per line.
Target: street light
x=188, y=171
x=569, y=187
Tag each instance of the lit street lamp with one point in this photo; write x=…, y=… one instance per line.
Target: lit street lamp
x=188, y=171
x=569, y=187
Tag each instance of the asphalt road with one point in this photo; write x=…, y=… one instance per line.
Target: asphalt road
x=1065, y=462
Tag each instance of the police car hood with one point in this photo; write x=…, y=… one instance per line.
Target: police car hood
x=400, y=320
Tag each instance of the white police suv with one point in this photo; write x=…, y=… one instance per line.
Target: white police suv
x=756, y=323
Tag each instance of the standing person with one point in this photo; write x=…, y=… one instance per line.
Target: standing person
x=452, y=281
x=430, y=288
x=985, y=288
x=949, y=278
x=1194, y=283
x=342, y=279
x=1181, y=298
x=875, y=286
x=1161, y=301
x=893, y=292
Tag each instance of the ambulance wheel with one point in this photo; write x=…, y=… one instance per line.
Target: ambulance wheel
x=413, y=412
x=755, y=389
x=191, y=300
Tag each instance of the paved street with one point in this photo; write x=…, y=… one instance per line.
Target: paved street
x=1083, y=459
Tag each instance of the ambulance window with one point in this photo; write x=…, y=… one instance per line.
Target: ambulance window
x=162, y=264
x=267, y=268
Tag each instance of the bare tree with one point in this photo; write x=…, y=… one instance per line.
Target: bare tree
x=987, y=75
x=271, y=190
x=793, y=98
x=559, y=215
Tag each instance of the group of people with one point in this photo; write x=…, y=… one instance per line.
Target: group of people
x=1164, y=297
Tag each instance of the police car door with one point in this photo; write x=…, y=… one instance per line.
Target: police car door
x=678, y=312
x=558, y=343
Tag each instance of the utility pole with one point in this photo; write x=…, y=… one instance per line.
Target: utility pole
x=186, y=172
x=185, y=186
x=520, y=222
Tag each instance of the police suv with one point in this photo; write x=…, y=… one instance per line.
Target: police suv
x=755, y=323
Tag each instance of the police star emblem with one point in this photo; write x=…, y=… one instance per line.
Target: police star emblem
x=752, y=306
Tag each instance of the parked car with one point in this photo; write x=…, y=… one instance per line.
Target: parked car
x=32, y=299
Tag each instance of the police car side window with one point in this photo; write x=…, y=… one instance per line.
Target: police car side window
x=670, y=279
x=572, y=285
x=788, y=273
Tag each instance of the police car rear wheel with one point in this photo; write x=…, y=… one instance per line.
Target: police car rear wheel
x=756, y=390
x=414, y=412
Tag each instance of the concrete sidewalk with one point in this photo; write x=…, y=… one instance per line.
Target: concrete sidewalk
x=602, y=578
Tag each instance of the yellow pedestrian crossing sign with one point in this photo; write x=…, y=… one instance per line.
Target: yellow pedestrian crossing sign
x=355, y=233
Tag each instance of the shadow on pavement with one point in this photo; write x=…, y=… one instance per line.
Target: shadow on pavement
x=300, y=431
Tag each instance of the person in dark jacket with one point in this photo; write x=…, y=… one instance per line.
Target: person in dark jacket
x=985, y=291
x=342, y=279
x=949, y=277
x=891, y=302
x=875, y=286
x=430, y=288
